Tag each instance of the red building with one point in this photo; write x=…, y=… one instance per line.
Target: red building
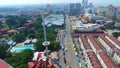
x=3, y=30
x=41, y=64
x=101, y=50
x=28, y=24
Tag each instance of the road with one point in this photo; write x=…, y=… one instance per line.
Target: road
x=76, y=43
x=68, y=42
x=61, y=61
x=80, y=53
x=70, y=54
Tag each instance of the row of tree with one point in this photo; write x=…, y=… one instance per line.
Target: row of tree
x=110, y=27
x=116, y=34
x=20, y=60
x=3, y=53
x=14, y=21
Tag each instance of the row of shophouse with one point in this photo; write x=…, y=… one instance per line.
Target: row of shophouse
x=100, y=50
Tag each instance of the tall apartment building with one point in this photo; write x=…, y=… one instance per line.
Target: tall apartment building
x=85, y=3
x=75, y=8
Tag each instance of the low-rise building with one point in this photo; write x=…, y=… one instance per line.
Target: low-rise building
x=3, y=30
x=29, y=41
x=28, y=24
x=99, y=52
x=54, y=19
x=10, y=31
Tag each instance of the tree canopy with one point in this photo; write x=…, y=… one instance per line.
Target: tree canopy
x=20, y=60
x=3, y=49
x=19, y=37
x=39, y=46
x=16, y=21
x=116, y=34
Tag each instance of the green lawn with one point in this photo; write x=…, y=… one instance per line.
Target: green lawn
x=56, y=14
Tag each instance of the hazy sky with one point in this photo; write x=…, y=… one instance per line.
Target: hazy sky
x=95, y=2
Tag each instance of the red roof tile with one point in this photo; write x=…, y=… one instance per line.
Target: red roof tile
x=114, y=39
x=118, y=53
x=98, y=32
x=4, y=64
x=10, y=31
x=107, y=60
x=94, y=60
x=94, y=42
x=3, y=29
x=97, y=66
x=31, y=65
x=41, y=64
x=108, y=42
x=85, y=42
x=28, y=24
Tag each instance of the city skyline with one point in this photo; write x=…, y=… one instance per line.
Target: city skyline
x=95, y=2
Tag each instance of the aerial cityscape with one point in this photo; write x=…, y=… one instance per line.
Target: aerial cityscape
x=60, y=34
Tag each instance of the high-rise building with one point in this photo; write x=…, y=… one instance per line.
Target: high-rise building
x=48, y=7
x=75, y=8
x=112, y=11
x=72, y=6
x=90, y=5
x=78, y=5
x=85, y=3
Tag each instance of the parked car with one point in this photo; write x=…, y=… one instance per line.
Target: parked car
x=78, y=58
x=64, y=59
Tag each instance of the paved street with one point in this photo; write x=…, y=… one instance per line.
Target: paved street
x=80, y=52
x=61, y=62
x=70, y=55
x=67, y=56
x=61, y=55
